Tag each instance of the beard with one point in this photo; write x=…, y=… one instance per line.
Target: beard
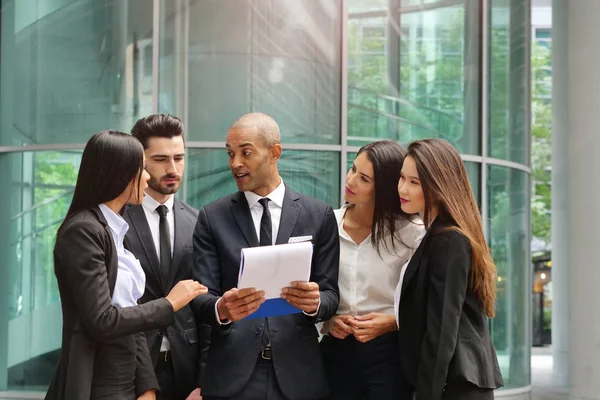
x=155, y=184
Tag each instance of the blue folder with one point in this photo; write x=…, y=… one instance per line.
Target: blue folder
x=273, y=308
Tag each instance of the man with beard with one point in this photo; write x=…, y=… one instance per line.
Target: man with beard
x=161, y=239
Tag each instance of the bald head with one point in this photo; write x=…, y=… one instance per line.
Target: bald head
x=265, y=126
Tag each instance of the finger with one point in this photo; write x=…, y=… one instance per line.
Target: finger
x=346, y=329
x=241, y=302
x=303, y=307
x=340, y=335
x=246, y=310
x=230, y=295
x=305, y=285
x=301, y=293
x=301, y=300
x=199, y=291
x=362, y=339
x=367, y=317
x=362, y=324
x=245, y=292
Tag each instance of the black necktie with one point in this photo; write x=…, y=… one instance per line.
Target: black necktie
x=165, y=244
x=266, y=228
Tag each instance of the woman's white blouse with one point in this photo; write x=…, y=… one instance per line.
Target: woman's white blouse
x=131, y=279
x=367, y=280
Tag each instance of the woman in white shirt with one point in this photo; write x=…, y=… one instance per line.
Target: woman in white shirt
x=377, y=238
x=104, y=352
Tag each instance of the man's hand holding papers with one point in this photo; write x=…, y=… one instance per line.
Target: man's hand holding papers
x=239, y=303
x=303, y=295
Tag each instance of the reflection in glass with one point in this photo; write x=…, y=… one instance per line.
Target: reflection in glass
x=72, y=68
x=280, y=57
x=509, y=75
x=509, y=238
x=41, y=188
x=412, y=73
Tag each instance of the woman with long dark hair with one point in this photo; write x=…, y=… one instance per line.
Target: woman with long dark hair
x=376, y=238
x=448, y=288
x=104, y=354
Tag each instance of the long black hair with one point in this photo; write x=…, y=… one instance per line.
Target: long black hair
x=111, y=161
x=387, y=158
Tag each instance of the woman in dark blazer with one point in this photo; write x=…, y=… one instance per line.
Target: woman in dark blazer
x=104, y=354
x=448, y=287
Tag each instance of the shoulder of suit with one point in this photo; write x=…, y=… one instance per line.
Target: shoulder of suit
x=187, y=207
x=312, y=202
x=83, y=221
x=452, y=236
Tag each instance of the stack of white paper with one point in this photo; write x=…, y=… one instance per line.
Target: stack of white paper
x=271, y=268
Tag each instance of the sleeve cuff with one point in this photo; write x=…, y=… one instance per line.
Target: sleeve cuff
x=227, y=322
x=316, y=311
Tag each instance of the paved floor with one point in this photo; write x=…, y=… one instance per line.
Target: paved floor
x=541, y=377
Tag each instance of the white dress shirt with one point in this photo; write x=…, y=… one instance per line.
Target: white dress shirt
x=149, y=205
x=399, y=287
x=131, y=280
x=367, y=280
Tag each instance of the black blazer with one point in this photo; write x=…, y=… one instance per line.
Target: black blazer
x=224, y=228
x=187, y=338
x=98, y=339
x=443, y=330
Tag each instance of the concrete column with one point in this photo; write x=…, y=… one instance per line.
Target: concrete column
x=576, y=193
x=560, y=195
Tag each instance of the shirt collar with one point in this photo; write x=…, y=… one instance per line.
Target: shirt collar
x=276, y=196
x=116, y=223
x=151, y=204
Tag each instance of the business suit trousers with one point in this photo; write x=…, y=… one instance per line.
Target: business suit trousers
x=361, y=371
x=467, y=391
x=166, y=378
x=262, y=385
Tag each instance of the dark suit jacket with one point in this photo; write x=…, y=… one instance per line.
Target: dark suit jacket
x=224, y=228
x=444, y=335
x=184, y=335
x=98, y=339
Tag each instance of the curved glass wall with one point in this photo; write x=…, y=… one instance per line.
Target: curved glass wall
x=415, y=69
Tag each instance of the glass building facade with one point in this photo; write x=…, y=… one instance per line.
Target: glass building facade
x=335, y=75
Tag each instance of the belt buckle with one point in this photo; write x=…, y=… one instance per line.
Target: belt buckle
x=265, y=353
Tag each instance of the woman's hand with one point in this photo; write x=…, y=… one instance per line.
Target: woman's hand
x=148, y=395
x=341, y=329
x=184, y=292
x=368, y=327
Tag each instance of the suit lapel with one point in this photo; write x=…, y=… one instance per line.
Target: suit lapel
x=241, y=215
x=142, y=230
x=112, y=266
x=289, y=215
x=184, y=230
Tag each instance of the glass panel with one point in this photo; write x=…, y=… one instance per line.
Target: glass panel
x=72, y=68
x=412, y=74
x=509, y=238
x=41, y=187
x=474, y=171
x=312, y=173
x=508, y=88
x=278, y=57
